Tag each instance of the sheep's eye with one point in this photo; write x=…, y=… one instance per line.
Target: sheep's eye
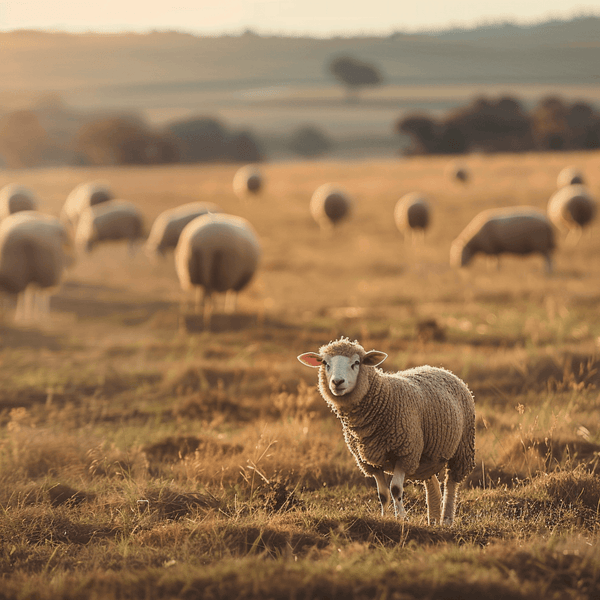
x=355, y=364
x=326, y=364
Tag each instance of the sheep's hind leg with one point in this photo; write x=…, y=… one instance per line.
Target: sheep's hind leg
x=433, y=495
x=449, y=504
x=382, y=490
x=397, y=490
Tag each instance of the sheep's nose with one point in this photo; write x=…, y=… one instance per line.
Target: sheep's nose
x=337, y=382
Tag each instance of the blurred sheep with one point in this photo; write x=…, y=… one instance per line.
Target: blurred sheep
x=412, y=215
x=456, y=171
x=15, y=198
x=82, y=197
x=569, y=176
x=167, y=227
x=35, y=249
x=216, y=253
x=518, y=230
x=571, y=209
x=330, y=205
x=247, y=181
x=108, y=221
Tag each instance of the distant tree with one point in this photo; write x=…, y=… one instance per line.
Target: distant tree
x=243, y=148
x=422, y=131
x=309, y=141
x=354, y=75
x=550, y=127
x=23, y=140
x=123, y=141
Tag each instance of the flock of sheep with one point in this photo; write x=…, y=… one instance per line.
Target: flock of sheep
x=219, y=253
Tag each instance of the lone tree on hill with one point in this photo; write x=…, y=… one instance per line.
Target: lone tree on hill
x=354, y=74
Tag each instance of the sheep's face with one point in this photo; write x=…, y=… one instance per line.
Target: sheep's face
x=341, y=372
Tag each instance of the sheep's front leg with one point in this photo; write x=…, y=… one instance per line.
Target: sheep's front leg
x=449, y=504
x=433, y=496
x=382, y=490
x=397, y=489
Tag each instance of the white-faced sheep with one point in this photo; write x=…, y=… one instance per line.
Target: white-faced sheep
x=518, y=230
x=569, y=176
x=15, y=198
x=167, y=227
x=109, y=221
x=329, y=205
x=216, y=253
x=247, y=181
x=409, y=424
x=82, y=197
x=571, y=209
x=34, y=251
x=412, y=215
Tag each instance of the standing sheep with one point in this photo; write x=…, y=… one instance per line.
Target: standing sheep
x=112, y=220
x=329, y=205
x=216, y=253
x=457, y=172
x=167, y=227
x=571, y=208
x=82, y=197
x=514, y=230
x=34, y=251
x=409, y=424
x=412, y=215
x=569, y=176
x=15, y=198
x=247, y=181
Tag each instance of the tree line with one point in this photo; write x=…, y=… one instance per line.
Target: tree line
x=504, y=125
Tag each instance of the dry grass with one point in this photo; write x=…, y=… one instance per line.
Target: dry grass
x=142, y=456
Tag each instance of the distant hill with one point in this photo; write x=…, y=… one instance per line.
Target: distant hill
x=560, y=52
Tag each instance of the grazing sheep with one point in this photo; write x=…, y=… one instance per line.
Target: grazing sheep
x=329, y=205
x=34, y=251
x=248, y=181
x=410, y=424
x=571, y=208
x=82, y=197
x=457, y=172
x=513, y=230
x=216, y=253
x=167, y=227
x=412, y=215
x=111, y=220
x=15, y=198
x=569, y=176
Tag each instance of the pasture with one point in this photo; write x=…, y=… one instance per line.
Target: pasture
x=144, y=456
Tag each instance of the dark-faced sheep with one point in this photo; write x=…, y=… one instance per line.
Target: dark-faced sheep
x=520, y=230
x=569, y=176
x=15, y=198
x=82, y=197
x=330, y=205
x=34, y=251
x=247, y=181
x=216, y=253
x=571, y=209
x=412, y=215
x=167, y=227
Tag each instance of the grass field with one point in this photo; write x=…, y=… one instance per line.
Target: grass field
x=142, y=456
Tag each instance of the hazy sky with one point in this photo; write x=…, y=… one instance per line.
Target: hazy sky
x=315, y=17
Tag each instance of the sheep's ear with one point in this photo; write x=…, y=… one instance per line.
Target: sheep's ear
x=310, y=359
x=374, y=358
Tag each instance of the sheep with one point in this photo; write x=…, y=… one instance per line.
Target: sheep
x=329, y=205
x=513, y=230
x=15, y=198
x=247, y=181
x=571, y=208
x=457, y=172
x=569, y=176
x=216, y=253
x=410, y=424
x=168, y=226
x=111, y=220
x=412, y=215
x=34, y=251
x=82, y=197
